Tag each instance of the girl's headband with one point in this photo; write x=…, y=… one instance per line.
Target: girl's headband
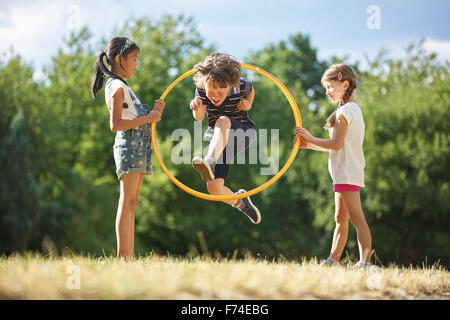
x=340, y=76
x=126, y=45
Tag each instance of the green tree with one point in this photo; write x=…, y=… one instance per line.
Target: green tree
x=407, y=152
x=18, y=91
x=19, y=193
x=26, y=214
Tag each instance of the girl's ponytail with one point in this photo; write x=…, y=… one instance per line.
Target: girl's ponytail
x=348, y=93
x=331, y=121
x=99, y=75
x=118, y=46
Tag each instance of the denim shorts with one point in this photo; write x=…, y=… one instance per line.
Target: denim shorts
x=239, y=140
x=133, y=151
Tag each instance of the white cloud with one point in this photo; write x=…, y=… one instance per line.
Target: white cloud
x=32, y=28
x=35, y=29
x=441, y=47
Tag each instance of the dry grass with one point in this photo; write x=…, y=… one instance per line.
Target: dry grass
x=157, y=277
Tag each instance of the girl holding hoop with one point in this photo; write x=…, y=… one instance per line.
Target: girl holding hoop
x=131, y=120
x=346, y=160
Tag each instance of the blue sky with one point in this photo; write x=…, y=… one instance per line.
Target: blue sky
x=35, y=28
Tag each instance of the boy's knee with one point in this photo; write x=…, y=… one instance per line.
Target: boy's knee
x=223, y=122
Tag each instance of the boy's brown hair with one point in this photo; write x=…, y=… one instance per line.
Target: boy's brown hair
x=222, y=69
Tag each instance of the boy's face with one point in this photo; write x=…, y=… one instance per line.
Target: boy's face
x=216, y=94
x=335, y=89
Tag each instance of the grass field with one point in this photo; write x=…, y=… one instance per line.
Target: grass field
x=161, y=277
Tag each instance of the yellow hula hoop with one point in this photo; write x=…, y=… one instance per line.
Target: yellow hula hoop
x=298, y=123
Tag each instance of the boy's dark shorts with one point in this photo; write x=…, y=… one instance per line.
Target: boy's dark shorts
x=240, y=137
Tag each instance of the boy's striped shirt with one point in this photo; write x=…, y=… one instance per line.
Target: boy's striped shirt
x=229, y=106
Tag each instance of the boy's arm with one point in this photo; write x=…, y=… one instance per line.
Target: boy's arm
x=246, y=103
x=198, y=109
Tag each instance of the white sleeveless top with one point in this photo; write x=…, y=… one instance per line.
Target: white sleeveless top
x=129, y=111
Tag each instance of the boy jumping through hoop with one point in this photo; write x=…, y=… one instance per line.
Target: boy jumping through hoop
x=225, y=98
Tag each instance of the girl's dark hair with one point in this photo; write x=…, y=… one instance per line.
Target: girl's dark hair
x=118, y=46
x=340, y=72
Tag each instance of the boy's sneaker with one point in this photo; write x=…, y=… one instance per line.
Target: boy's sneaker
x=246, y=206
x=328, y=263
x=367, y=266
x=204, y=166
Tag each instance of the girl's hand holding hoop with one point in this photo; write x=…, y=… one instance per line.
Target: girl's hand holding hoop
x=159, y=106
x=303, y=144
x=303, y=134
x=154, y=116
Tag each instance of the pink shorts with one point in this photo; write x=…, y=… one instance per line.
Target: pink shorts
x=345, y=187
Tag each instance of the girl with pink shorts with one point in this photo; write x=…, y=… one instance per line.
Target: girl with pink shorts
x=346, y=161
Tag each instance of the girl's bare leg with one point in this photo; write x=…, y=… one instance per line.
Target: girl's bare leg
x=129, y=188
x=340, y=235
x=131, y=248
x=353, y=203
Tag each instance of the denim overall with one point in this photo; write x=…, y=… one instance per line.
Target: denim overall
x=133, y=147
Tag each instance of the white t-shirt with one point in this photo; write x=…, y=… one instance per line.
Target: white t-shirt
x=346, y=165
x=129, y=111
